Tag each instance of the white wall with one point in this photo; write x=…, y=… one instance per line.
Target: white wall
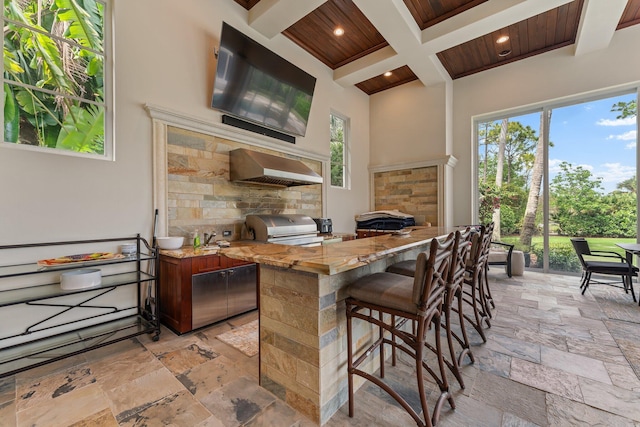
x=164, y=56
x=408, y=124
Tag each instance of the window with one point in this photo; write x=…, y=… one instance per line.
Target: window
x=56, y=85
x=561, y=171
x=339, y=150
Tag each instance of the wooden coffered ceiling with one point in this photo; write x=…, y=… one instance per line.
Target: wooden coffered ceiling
x=435, y=40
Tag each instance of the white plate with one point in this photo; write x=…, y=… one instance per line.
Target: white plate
x=402, y=232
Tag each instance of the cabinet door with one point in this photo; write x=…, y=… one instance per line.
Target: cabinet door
x=242, y=290
x=209, y=298
x=174, y=288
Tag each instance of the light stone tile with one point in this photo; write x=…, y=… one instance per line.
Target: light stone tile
x=510, y=420
x=575, y=364
x=564, y=412
x=544, y=378
x=207, y=377
x=189, y=188
x=290, y=384
x=124, y=367
x=514, y=347
x=66, y=409
x=238, y=402
x=8, y=413
x=180, y=360
x=103, y=418
x=604, y=352
x=558, y=342
x=623, y=376
x=510, y=396
x=286, y=337
x=299, y=318
x=179, y=409
x=611, y=399
x=143, y=391
x=279, y=360
x=49, y=388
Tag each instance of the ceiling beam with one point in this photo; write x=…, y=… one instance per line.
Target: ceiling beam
x=271, y=17
x=417, y=48
x=598, y=24
x=482, y=19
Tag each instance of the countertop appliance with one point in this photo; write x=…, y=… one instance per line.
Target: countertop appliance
x=285, y=229
x=324, y=225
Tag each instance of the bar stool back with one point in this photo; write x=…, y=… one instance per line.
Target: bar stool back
x=400, y=299
x=455, y=282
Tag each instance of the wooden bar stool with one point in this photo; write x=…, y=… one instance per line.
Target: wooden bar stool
x=455, y=281
x=403, y=299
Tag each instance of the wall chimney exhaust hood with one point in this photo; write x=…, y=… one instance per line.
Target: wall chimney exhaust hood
x=262, y=168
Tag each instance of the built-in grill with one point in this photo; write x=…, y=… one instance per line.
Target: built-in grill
x=285, y=229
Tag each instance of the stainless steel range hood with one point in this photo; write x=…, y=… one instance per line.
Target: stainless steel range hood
x=262, y=168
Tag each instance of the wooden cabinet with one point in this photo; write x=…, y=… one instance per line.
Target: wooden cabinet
x=176, y=284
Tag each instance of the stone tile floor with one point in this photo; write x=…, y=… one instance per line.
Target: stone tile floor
x=553, y=357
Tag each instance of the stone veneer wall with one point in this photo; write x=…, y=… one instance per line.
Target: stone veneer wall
x=303, y=342
x=200, y=195
x=413, y=191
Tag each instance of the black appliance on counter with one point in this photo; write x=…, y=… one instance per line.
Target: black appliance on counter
x=324, y=225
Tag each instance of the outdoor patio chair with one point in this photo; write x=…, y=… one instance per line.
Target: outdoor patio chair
x=601, y=263
x=500, y=254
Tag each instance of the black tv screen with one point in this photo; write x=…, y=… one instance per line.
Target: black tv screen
x=255, y=84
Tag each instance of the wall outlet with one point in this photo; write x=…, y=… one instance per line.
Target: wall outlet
x=226, y=233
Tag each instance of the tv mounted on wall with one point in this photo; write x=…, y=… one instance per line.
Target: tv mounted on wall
x=254, y=84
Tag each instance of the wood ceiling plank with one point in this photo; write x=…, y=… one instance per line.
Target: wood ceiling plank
x=631, y=14
x=377, y=84
x=314, y=33
x=427, y=13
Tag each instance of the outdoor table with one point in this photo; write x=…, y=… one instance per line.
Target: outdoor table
x=630, y=250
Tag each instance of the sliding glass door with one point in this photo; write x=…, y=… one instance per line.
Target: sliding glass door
x=558, y=172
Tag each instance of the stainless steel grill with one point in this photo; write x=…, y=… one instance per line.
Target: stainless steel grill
x=285, y=229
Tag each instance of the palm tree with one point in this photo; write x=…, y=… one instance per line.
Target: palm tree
x=529, y=221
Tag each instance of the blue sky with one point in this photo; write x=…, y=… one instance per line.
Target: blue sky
x=589, y=135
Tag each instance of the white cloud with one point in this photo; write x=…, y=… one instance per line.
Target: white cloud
x=617, y=122
x=631, y=145
x=554, y=166
x=615, y=172
x=627, y=136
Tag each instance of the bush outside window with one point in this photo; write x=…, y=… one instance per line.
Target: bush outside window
x=55, y=83
x=339, y=150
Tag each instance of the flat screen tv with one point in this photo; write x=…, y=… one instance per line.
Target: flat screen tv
x=255, y=84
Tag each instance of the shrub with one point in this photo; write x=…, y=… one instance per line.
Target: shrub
x=561, y=257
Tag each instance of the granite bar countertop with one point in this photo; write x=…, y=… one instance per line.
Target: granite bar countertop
x=335, y=258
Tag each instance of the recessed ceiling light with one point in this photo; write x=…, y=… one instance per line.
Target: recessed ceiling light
x=504, y=52
x=338, y=31
x=388, y=74
x=502, y=39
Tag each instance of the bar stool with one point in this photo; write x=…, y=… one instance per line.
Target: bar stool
x=488, y=298
x=475, y=288
x=404, y=299
x=453, y=295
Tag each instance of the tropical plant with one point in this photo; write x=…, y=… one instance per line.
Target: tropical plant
x=337, y=128
x=54, y=74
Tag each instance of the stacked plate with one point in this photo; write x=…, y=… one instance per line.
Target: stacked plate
x=128, y=249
